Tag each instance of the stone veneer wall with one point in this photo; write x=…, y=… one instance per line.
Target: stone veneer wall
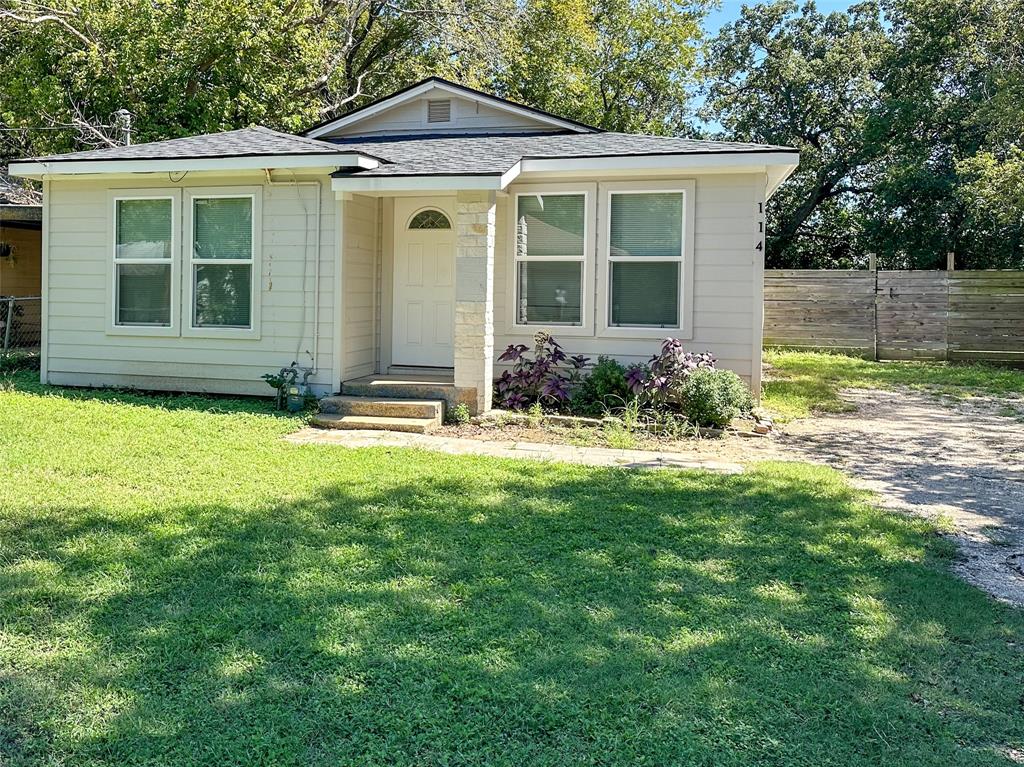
x=474, y=298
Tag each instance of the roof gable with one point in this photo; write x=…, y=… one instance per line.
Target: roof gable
x=411, y=111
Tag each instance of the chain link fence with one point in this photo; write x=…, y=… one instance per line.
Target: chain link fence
x=20, y=331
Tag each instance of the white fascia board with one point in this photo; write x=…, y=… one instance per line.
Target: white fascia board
x=511, y=175
x=414, y=93
x=777, y=175
x=81, y=167
x=738, y=162
x=416, y=183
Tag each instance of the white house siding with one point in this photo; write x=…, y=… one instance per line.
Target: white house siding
x=80, y=351
x=359, y=285
x=727, y=281
x=466, y=114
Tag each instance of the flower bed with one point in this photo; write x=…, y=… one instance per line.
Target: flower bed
x=676, y=391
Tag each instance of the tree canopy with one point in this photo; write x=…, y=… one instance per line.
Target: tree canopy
x=907, y=113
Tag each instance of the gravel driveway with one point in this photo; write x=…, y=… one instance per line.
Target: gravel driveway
x=961, y=460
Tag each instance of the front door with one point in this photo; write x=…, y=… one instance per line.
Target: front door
x=424, y=293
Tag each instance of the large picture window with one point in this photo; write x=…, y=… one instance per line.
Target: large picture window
x=645, y=259
x=143, y=261
x=222, y=262
x=550, y=258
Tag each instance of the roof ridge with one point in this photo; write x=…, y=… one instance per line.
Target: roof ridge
x=295, y=137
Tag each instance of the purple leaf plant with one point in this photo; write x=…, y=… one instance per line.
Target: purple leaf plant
x=548, y=378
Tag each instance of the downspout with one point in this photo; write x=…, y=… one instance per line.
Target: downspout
x=316, y=266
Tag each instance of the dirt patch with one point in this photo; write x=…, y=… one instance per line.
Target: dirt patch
x=958, y=461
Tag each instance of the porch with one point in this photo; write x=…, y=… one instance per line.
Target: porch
x=409, y=402
x=416, y=282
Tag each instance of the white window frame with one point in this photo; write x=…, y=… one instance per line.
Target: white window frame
x=684, y=329
x=253, y=193
x=586, y=328
x=114, y=196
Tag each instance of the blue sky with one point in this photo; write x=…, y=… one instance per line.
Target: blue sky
x=730, y=10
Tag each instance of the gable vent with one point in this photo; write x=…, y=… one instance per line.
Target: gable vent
x=439, y=111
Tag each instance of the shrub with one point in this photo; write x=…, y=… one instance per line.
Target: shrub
x=458, y=415
x=605, y=388
x=661, y=382
x=547, y=380
x=713, y=397
x=13, y=361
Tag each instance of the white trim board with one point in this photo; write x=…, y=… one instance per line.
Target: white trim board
x=777, y=165
x=420, y=184
x=56, y=168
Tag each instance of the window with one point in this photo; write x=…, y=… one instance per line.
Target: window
x=221, y=261
x=143, y=261
x=550, y=258
x=430, y=219
x=645, y=258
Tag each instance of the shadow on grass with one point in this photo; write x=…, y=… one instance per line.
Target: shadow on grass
x=28, y=382
x=611, y=618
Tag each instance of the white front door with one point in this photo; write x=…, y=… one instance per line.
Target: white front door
x=424, y=294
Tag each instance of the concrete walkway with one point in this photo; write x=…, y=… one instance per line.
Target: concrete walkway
x=535, y=451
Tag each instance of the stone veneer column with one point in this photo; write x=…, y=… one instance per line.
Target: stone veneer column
x=474, y=298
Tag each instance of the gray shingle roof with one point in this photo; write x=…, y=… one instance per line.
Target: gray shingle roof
x=247, y=142
x=16, y=192
x=493, y=154
x=419, y=155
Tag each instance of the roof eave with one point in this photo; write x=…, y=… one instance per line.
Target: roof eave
x=734, y=161
x=37, y=169
x=420, y=182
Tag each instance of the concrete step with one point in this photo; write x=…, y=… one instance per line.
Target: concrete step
x=400, y=387
x=375, y=423
x=346, y=404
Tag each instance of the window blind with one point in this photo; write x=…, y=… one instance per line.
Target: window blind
x=645, y=293
x=223, y=228
x=551, y=225
x=144, y=229
x=647, y=225
x=223, y=295
x=549, y=292
x=144, y=294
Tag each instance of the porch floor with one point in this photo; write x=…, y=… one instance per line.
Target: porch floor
x=403, y=379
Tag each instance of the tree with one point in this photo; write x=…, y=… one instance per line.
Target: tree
x=623, y=65
x=207, y=65
x=907, y=128
x=784, y=74
x=944, y=88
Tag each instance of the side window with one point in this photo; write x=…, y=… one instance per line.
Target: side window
x=550, y=252
x=221, y=262
x=143, y=261
x=645, y=259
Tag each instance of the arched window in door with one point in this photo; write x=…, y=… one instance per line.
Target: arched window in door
x=431, y=218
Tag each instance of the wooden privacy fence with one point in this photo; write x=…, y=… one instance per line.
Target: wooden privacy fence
x=898, y=315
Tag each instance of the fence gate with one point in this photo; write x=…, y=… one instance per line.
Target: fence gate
x=911, y=310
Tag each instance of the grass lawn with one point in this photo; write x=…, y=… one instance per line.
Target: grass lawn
x=803, y=382
x=179, y=586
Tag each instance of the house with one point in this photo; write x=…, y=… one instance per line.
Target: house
x=21, y=221
x=410, y=240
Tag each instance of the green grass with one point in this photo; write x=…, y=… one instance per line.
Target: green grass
x=801, y=383
x=179, y=586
